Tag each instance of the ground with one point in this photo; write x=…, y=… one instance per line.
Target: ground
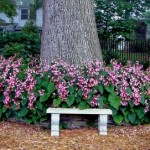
x=19, y=136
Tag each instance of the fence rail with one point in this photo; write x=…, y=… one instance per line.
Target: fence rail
x=128, y=50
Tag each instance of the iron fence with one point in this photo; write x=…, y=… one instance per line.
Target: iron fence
x=128, y=50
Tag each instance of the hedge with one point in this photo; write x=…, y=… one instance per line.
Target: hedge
x=28, y=88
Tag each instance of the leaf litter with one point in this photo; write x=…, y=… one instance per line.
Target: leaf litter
x=20, y=136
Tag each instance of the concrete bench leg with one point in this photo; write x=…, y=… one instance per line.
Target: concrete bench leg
x=55, y=124
x=102, y=124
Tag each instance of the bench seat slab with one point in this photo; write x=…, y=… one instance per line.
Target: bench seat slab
x=78, y=111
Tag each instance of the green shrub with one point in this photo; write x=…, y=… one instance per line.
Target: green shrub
x=108, y=55
x=30, y=27
x=11, y=49
x=29, y=43
x=145, y=64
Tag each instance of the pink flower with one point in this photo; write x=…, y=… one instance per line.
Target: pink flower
x=94, y=101
x=62, y=90
x=92, y=82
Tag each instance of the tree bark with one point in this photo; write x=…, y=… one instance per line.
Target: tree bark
x=69, y=31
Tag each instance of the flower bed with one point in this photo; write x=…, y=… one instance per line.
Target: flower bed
x=27, y=89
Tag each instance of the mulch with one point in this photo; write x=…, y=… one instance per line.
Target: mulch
x=20, y=136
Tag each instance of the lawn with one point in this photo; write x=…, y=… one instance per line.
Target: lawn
x=19, y=136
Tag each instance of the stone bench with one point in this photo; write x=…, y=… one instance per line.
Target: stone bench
x=55, y=117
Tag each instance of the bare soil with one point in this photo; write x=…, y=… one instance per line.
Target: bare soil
x=19, y=136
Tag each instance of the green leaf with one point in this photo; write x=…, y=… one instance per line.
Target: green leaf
x=82, y=105
x=101, y=102
x=126, y=119
x=146, y=119
x=23, y=111
x=110, y=89
x=88, y=101
x=85, y=70
x=51, y=88
x=57, y=102
x=21, y=75
x=78, y=100
x=63, y=125
x=64, y=105
x=142, y=88
x=87, y=106
x=114, y=111
x=29, y=121
x=39, y=105
x=0, y=113
x=129, y=91
x=1, y=98
x=132, y=117
x=100, y=88
x=71, y=89
x=8, y=113
x=80, y=92
x=34, y=111
x=70, y=100
x=114, y=101
x=131, y=104
x=14, y=107
x=24, y=102
x=118, y=118
x=37, y=93
x=123, y=109
x=44, y=111
x=43, y=119
x=140, y=112
x=103, y=73
x=137, y=121
x=43, y=98
x=39, y=81
x=4, y=109
x=34, y=119
x=39, y=113
x=143, y=99
x=67, y=78
x=44, y=84
x=105, y=99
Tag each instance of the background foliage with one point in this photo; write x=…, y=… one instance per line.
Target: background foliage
x=8, y=7
x=117, y=18
x=23, y=43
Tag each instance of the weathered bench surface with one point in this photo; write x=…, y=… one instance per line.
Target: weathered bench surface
x=78, y=111
x=55, y=117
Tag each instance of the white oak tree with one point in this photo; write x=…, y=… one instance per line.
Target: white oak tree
x=69, y=31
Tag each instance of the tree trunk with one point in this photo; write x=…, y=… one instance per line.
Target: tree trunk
x=69, y=31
